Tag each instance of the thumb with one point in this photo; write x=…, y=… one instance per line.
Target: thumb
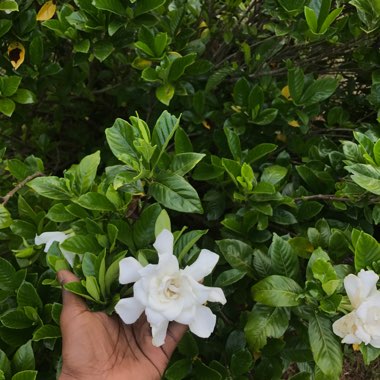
x=72, y=304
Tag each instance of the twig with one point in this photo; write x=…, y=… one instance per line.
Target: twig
x=19, y=186
x=323, y=197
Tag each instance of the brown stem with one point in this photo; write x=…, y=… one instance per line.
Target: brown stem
x=323, y=197
x=19, y=186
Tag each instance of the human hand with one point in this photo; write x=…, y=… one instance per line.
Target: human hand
x=98, y=346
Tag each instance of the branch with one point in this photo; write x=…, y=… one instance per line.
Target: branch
x=19, y=186
x=323, y=197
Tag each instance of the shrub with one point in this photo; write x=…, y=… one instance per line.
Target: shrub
x=252, y=127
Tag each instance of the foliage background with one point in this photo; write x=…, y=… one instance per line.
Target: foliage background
x=276, y=155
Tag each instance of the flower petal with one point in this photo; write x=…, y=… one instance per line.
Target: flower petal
x=129, y=310
x=345, y=325
x=164, y=243
x=359, y=287
x=159, y=333
x=69, y=256
x=48, y=238
x=129, y=270
x=203, y=323
x=203, y=265
x=206, y=293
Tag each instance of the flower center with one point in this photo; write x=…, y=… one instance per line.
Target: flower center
x=171, y=288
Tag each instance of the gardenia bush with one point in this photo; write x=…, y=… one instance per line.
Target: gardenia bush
x=246, y=131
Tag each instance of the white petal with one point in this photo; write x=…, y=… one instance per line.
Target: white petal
x=48, y=238
x=375, y=342
x=69, y=256
x=359, y=287
x=164, y=243
x=206, y=293
x=345, y=325
x=187, y=315
x=203, y=265
x=203, y=323
x=168, y=265
x=159, y=333
x=351, y=339
x=129, y=270
x=129, y=310
x=153, y=317
x=139, y=291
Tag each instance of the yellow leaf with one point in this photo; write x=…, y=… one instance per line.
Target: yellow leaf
x=16, y=53
x=286, y=93
x=47, y=11
x=206, y=124
x=281, y=137
x=356, y=347
x=294, y=123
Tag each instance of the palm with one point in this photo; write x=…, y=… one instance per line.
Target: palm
x=96, y=345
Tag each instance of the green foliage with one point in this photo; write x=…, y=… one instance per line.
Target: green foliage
x=248, y=128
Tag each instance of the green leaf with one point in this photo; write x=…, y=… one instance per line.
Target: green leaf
x=202, y=371
x=51, y=187
x=8, y=6
x=5, y=217
x=233, y=143
x=376, y=152
x=9, y=85
x=24, y=96
x=92, y=287
x=238, y=254
x=114, y=6
x=7, y=106
x=367, y=251
x=178, y=370
x=182, y=142
x=25, y=375
x=145, y=6
x=120, y=138
x=265, y=322
x=85, y=172
x=184, y=162
x=5, y=26
x=229, y=277
x=144, y=227
x=164, y=130
x=260, y=151
x=175, y=193
x=311, y=19
x=102, y=50
x=78, y=289
x=162, y=223
x=5, y=364
x=319, y=90
x=284, y=259
x=95, y=201
x=217, y=77
x=274, y=174
x=27, y=295
x=23, y=359
x=296, y=83
x=36, y=50
x=241, y=92
x=325, y=347
x=277, y=291
x=81, y=244
x=241, y=362
x=186, y=242
x=58, y=213
x=266, y=116
x=329, y=20
x=47, y=332
x=178, y=67
x=165, y=93
x=16, y=319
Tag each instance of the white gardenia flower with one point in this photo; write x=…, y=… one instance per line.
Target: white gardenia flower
x=362, y=325
x=167, y=293
x=48, y=238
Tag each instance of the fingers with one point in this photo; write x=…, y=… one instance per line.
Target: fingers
x=174, y=335
x=72, y=304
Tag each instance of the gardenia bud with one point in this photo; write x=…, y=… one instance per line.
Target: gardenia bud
x=167, y=293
